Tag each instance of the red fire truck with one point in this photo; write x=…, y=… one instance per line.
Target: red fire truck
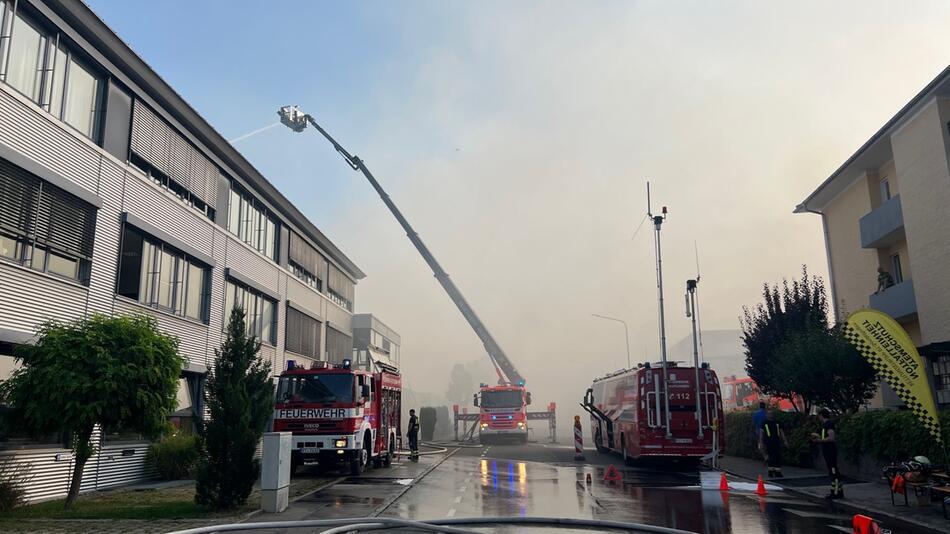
x=339, y=415
x=743, y=392
x=503, y=412
x=629, y=412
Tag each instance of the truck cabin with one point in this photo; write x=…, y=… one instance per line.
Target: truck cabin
x=323, y=384
x=501, y=397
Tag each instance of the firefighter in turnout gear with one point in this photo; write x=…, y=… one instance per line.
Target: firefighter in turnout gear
x=829, y=449
x=771, y=440
x=413, y=434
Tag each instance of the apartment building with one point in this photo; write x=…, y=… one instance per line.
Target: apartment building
x=886, y=208
x=116, y=197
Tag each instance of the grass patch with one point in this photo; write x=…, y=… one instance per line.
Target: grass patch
x=165, y=503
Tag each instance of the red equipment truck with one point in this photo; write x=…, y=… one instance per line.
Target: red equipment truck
x=339, y=415
x=627, y=411
x=502, y=412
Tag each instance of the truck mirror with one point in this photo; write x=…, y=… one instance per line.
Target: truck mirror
x=475, y=400
x=365, y=392
x=528, y=398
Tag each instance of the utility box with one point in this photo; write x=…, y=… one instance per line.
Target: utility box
x=275, y=471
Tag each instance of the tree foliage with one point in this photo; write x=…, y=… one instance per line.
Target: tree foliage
x=824, y=369
x=461, y=385
x=240, y=397
x=119, y=372
x=791, y=350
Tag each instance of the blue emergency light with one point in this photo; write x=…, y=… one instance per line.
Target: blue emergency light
x=346, y=363
x=291, y=365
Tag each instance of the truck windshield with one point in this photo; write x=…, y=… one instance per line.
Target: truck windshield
x=316, y=388
x=501, y=399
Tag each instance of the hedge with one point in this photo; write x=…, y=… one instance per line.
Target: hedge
x=881, y=435
x=740, y=439
x=174, y=457
x=889, y=435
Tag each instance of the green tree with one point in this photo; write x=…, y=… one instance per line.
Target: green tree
x=118, y=372
x=824, y=369
x=792, y=351
x=240, y=396
x=785, y=310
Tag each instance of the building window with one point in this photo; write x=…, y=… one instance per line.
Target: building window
x=160, y=276
x=307, y=263
x=339, y=346
x=941, y=368
x=896, y=268
x=40, y=65
x=250, y=222
x=340, y=288
x=260, y=315
x=44, y=227
x=162, y=180
x=885, y=189
x=303, y=334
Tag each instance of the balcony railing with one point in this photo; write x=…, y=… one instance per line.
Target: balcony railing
x=898, y=301
x=884, y=225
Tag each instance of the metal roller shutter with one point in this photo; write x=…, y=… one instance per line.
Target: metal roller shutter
x=168, y=152
x=18, y=190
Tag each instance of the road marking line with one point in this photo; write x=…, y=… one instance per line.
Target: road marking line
x=451, y=513
x=458, y=499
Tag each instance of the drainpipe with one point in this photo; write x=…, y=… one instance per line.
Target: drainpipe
x=831, y=270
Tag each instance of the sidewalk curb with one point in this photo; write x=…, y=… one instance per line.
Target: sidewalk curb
x=851, y=507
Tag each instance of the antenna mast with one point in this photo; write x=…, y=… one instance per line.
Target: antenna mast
x=657, y=223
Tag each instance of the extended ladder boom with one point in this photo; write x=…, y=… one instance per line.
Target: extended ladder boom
x=503, y=366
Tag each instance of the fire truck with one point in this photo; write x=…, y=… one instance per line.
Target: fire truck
x=503, y=412
x=629, y=412
x=743, y=392
x=508, y=377
x=340, y=416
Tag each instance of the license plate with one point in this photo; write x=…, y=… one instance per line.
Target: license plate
x=682, y=440
x=309, y=450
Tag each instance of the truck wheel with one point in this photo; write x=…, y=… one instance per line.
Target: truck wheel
x=295, y=462
x=523, y=439
x=627, y=460
x=388, y=457
x=599, y=442
x=361, y=461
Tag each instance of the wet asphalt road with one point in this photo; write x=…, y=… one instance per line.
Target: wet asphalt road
x=541, y=480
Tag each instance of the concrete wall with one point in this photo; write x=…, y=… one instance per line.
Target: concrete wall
x=920, y=156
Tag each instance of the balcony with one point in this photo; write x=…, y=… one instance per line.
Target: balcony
x=898, y=301
x=884, y=226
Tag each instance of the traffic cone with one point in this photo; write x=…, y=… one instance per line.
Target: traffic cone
x=588, y=479
x=723, y=483
x=760, y=489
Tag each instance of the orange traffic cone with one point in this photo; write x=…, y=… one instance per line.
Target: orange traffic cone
x=760, y=489
x=723, y=483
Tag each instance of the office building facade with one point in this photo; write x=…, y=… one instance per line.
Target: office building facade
x=116, y=197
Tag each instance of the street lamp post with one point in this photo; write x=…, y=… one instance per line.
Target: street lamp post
x=626, y=332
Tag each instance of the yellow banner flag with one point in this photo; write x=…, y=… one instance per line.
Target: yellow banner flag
x=889, y=349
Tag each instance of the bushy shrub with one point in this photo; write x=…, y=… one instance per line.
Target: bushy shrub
x=427, y=420
x=740, y=439
x=14, y=478
x=174, y=457
x=888, y=436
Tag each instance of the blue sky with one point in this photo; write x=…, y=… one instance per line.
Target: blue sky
x=518, y=137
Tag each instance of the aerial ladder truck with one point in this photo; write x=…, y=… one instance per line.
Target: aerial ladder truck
x=502, y=407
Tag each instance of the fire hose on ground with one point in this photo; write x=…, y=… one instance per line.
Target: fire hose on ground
x=450, y=526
